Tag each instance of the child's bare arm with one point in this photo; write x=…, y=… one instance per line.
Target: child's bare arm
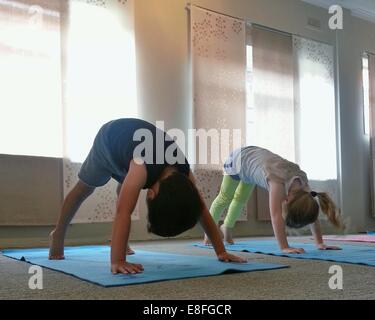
x=127, y=201
x=276, y=198
x=210, y=228
x=317, y=233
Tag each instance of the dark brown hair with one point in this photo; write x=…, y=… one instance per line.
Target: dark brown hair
x=176, y=208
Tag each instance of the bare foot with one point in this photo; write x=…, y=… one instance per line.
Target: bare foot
x=129, y=251
x=56, y=248
x=227, y=233
x=206, y=241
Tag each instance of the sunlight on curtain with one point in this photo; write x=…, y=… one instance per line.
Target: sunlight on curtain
x=30, y=78
x=270, y=101
x=366, y=94
x=291, y=106
x=100, y=86
x=272, y=91
x=371, y=74
x=219, y=93
x=101, y=79
x=250, y=115
x=316, y=147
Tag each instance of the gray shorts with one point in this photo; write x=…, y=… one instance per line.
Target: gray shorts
x=99, y=167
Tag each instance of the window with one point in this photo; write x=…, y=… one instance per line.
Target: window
x=250, y=110
x=366, y=94
x=315, y=109
x=44, y=114
x=270, y=114
x=30, y=79
x=101, y=75
x=291, y=107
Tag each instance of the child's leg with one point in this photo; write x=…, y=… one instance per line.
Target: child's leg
x=71, y=204
x=224, y=198
x=129, y=251
x=240, y=199
x=94, y=172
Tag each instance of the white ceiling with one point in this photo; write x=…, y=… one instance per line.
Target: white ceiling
x=364, y=9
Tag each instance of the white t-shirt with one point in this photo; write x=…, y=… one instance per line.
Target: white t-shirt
x=255, y=165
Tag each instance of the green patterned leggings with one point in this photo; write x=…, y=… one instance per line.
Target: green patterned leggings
x=233, y=194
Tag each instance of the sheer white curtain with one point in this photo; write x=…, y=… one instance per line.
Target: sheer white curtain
x=30, y=78
x=271, y=122
x=372, y=123
x=315, y=114
x=273, y=92
x=293, y=111
x=218, y=44
x=100, y=86
x=72, y=60
x=100, y=71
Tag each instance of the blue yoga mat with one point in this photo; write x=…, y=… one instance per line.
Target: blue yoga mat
x=358, y=254
x=91, y=263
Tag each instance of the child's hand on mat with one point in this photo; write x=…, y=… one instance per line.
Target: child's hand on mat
x=293, y=250
x=325, y=247
x=126, y=268
x=226, y=257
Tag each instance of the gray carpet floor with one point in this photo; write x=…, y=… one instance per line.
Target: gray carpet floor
x=305, y=279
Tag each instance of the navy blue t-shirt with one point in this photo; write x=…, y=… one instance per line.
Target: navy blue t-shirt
x=119, y=135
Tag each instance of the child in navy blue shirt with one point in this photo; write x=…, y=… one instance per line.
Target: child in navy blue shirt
x=174, y=203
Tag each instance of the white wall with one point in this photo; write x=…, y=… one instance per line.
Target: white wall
x=163, y=74
x=357, y=37
x=162, y=44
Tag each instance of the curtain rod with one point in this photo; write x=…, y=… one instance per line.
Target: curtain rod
x=188, y=7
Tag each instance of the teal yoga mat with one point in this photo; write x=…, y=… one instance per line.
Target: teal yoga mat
x=358, y=254
x=91, y=263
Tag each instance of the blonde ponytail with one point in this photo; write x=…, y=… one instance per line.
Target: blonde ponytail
x=329, y=209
